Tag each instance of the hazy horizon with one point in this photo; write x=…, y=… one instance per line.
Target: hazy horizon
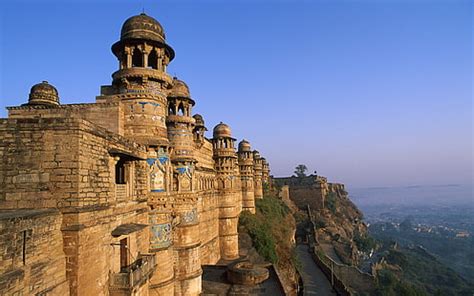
x=368, y=94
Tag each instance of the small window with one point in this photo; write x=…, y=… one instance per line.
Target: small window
x=137, y=59
x=153, y=60
x=120, y=172
x=181, y=110
x=23, y=251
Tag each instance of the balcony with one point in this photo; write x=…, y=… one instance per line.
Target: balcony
x=134, y=275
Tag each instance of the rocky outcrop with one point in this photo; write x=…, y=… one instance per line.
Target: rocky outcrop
x=338, y=221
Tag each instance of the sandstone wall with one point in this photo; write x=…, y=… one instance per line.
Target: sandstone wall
x=93, y=112
x=32, y=258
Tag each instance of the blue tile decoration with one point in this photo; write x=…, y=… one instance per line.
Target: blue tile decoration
x=150, y=161
x=160, y=236
x=163, y=159
x=190, y=217
x=157, y=175
x=149, y=103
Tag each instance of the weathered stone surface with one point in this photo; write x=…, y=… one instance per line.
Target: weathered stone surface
x=125, y=196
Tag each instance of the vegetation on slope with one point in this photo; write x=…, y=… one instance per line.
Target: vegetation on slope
x=271, y=229
x=423, y=270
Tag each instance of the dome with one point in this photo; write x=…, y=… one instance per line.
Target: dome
x=256, y=154
x=244, y=145
x=179, y=90
x=139, y=28
x=199, y=120
x=43, y=94
x=142, y=26
x=222, y=130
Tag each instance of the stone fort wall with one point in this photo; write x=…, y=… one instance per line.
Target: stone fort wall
x=125, y=196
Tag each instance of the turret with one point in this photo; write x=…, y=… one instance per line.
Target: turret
x=180, y=123
x=187, y=239
x=229, y=190
x=257, y=174
x=141, y=86
x=141, y=82
x=265, y=173
x=246, y=165
x=199, y=128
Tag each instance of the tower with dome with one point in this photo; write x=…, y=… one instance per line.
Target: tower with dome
x=127, y=195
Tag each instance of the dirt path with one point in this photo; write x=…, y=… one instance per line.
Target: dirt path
x=314, y=280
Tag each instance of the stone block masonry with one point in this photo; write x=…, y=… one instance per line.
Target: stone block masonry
x=125, y=196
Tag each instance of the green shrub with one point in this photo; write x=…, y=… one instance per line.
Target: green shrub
x=265, y=225
x=365, y=243
x=388, y=284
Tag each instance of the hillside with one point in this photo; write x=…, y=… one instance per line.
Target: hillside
x=343, y=236
x=416, y=272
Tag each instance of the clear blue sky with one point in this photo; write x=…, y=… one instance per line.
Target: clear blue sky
x=369, y=93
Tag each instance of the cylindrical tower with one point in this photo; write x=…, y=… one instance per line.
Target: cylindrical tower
x=199, y=128
x=187, y=240
x=265, y=174
x=257, y=174
x=229, y=192
x=247, y=176
x=141, y=85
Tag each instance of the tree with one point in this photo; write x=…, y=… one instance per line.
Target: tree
x=300, y=170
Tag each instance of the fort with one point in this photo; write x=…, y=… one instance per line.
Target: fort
x=124, y=196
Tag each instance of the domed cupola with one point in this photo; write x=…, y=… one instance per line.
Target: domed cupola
x=179, y=100
x=43, y=94
x=180, y=90
x=244, y=146
x=142, y=44
x=142, y=26
x=222, y=130
x=199, y=128
x=199, y=120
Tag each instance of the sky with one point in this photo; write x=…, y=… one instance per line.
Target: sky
x=367, y=93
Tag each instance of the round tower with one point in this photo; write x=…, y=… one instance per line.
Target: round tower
x=141, y=82
x=258, y=170
x=187, y=240
x=229, y=191
x=180, y=123
x=199, y=128
x=265, y=173
x=247, y=176
x=141, y=86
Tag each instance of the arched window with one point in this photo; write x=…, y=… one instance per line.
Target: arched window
x=181, y=109
x=137, y=60
x=153, y=60
x=171, y=109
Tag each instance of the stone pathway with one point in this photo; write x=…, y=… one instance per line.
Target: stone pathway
x=314, y=280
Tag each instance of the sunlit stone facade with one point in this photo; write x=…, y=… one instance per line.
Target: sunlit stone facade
x=129, y=193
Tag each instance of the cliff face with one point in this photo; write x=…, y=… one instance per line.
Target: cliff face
x=340, y=229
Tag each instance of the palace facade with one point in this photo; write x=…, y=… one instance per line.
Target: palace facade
x=124, y=196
